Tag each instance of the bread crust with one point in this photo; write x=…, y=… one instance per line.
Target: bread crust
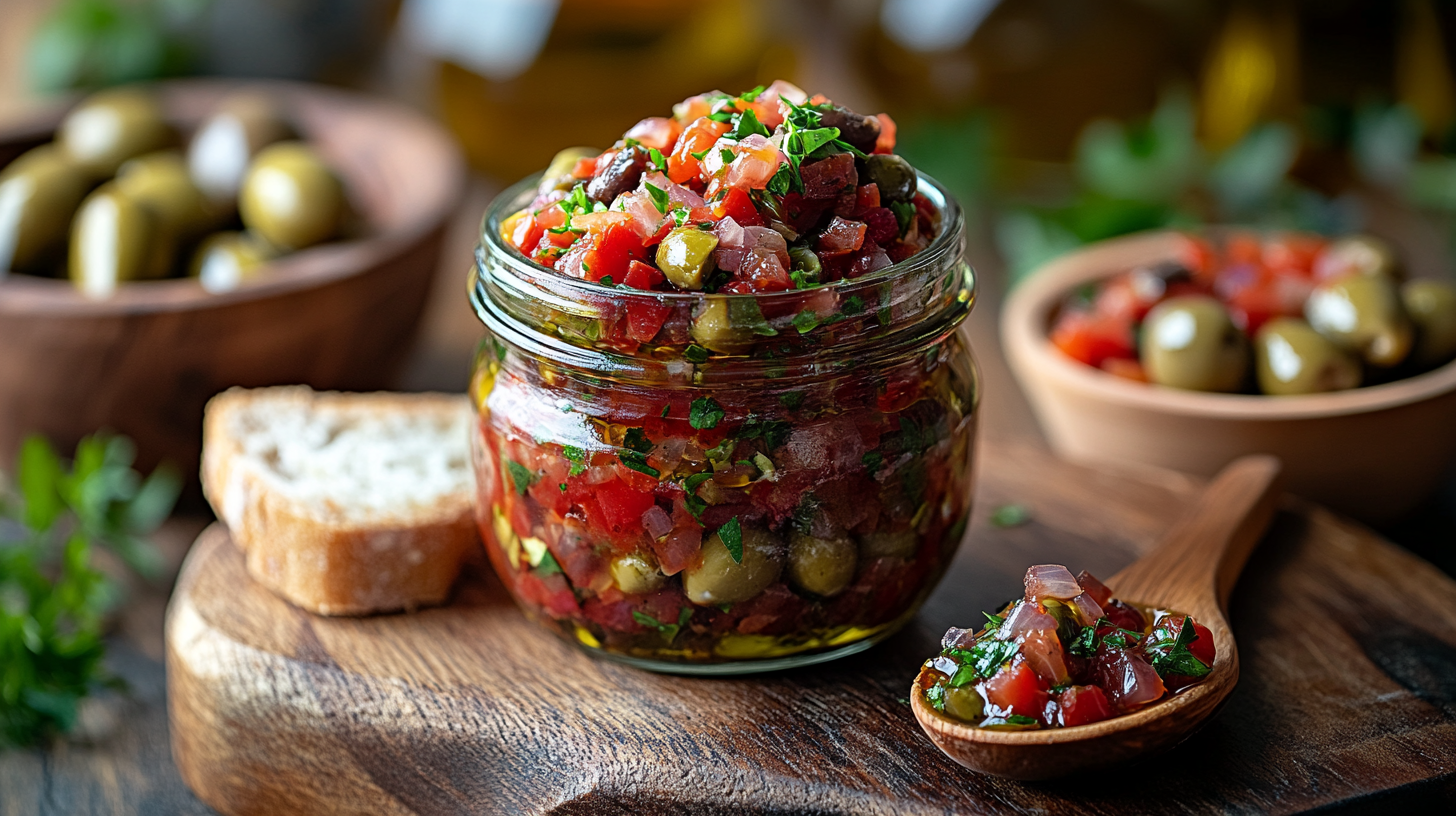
x=310, y=555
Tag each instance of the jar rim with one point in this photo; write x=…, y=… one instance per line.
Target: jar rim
x=948, y=239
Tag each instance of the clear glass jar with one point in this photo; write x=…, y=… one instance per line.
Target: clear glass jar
x=710, y=484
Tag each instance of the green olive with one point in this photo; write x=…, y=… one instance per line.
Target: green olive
x=718, y=579
x=1292, y=358
x=1190, y=342
x=964, y=703
x=889, y=544
x=1356, y=255
x=290, y=197
x=822, y=566
x=719, y=325
x=39, y=193
x=637, y=573
x=806, y=262
x=685, y=256
x=1362, y=314
x=558, y=173
x=112, y=126
x=1432, y=307
x=115, y=239
x=225, y=260
x=892, y=175
x=224, y=145
x=160, y=181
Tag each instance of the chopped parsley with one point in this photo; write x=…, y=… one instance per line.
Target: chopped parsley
x=731, y=534
x=521, y=476
x=700, y=154
x=773, y=432
x=751, y=95
x=547, y=565
x=577, y=457
x=806, y=321
x=904, y=214
x=658, y=160
x=695, y=354
x=1085, y=643
x=695, y=505
x=993, y=621
x=726, y=155
x=853, y=305
x=660, y=198
x=746, y=124
x=982, y=660
x=791, y=399
x=606, y=280
x=872, y=461
x=1171, y=655
x=667, y=630
x=634, y=454
x=705, y=413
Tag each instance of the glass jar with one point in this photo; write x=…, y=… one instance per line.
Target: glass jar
x=716, y=484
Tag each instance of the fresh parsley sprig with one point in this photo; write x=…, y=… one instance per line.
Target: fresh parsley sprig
x=1172, y=656
x=52, y=599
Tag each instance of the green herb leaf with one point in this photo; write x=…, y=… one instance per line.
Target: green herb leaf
x=806, y=321
x=731, y=534
x=853, y=305
x=791, y=399
x=1085, y=644
x=637, y=440
x=743, y=313
x=636, y=462
x=1172, y=656
x=606, y=280
x=547, y=565
x=1010, y=515
x=746, y=125
x=773, y=432
x=705, y=413
x=904, y=214
x=700, y=154
x=993, y=621
x=726, y=155
x=751, y=96
x=695, y=354
x=989, y=655
x=577, y=457
x=660, y=198
x=935, y=697
x=521, y=476
x=658, y=160
x=1020, y=719
x=872, y=461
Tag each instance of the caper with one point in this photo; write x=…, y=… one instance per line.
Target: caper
x=718, y=579
x=1355, y=255
x=115, y=239
x=39, y=192
x=1432, y=307
x=714, y=327
x=225, y=144
x=1292, y=358
x=685, y=256
x=888, y=544
x=112, y=126
x=160, y=182
x=822, y=566
x=558, y=173
x=1190, y=342
x=1362, y=314
x=637, y=573
x=892, y=175
x=225, y=260
x=806, y=262
x=290, y=197
x=964, y=703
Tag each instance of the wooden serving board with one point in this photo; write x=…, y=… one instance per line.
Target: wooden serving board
x=1347, y=701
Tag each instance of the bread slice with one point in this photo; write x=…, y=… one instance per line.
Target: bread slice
x=344, y=504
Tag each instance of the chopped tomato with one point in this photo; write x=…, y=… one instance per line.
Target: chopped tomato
x=682, y=165
x=867, y=197
x=656, y=131
x=1080, y=705
x=1292, y=253
x=622, y=505
x=522, y=231
x=1198, y=256
x=841, y=236
x=1016, y=690
x=585, y=168
x=609, y=245
x=1271, y=296
x=643, y=276
x=1091, y=339
x=886, y=141
x=739, y=206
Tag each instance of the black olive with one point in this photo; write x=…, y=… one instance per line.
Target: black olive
x=856, y=129
x=893, y=175
x=620, y=175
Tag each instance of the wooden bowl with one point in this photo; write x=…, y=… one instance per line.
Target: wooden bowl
x=336, y=316
x=1373, y=453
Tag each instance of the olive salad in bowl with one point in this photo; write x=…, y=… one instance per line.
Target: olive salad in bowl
x=114, y=199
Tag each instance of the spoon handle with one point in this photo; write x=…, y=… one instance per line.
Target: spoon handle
x=1204, y=553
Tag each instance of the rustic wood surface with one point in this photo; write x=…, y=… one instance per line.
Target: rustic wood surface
x=337, y=316
x=1192, y=570
x=1347, y=699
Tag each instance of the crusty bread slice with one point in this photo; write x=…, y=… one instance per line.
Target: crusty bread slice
x=344, y=504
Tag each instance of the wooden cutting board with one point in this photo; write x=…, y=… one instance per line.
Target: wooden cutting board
x=1347, y=700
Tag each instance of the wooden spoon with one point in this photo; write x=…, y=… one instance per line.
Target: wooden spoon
x=1192, y=571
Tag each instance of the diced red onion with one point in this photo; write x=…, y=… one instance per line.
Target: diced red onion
x=676, y=193
x=779, y=89
x=1024, y=619
x=1093, y=587
x=679, y=548
x=656, y=522
x=1043, y=653
x=1129, y=680
x=668, y=454
x=1088, y=611
x=655, y=131
x=598, y=474
x=828, y=178
x=1050, y=581
x=958, y=638
x=870, y=259
x=841, y=235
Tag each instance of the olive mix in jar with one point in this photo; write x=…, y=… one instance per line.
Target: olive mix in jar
x=717, y=456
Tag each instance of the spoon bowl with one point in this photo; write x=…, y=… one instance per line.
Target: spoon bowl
x=1192, y=571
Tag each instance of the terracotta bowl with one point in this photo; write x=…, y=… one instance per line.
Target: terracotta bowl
x=337, y=316
x=1372, y=453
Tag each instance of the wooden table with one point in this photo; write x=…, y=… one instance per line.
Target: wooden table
x=123, y=763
